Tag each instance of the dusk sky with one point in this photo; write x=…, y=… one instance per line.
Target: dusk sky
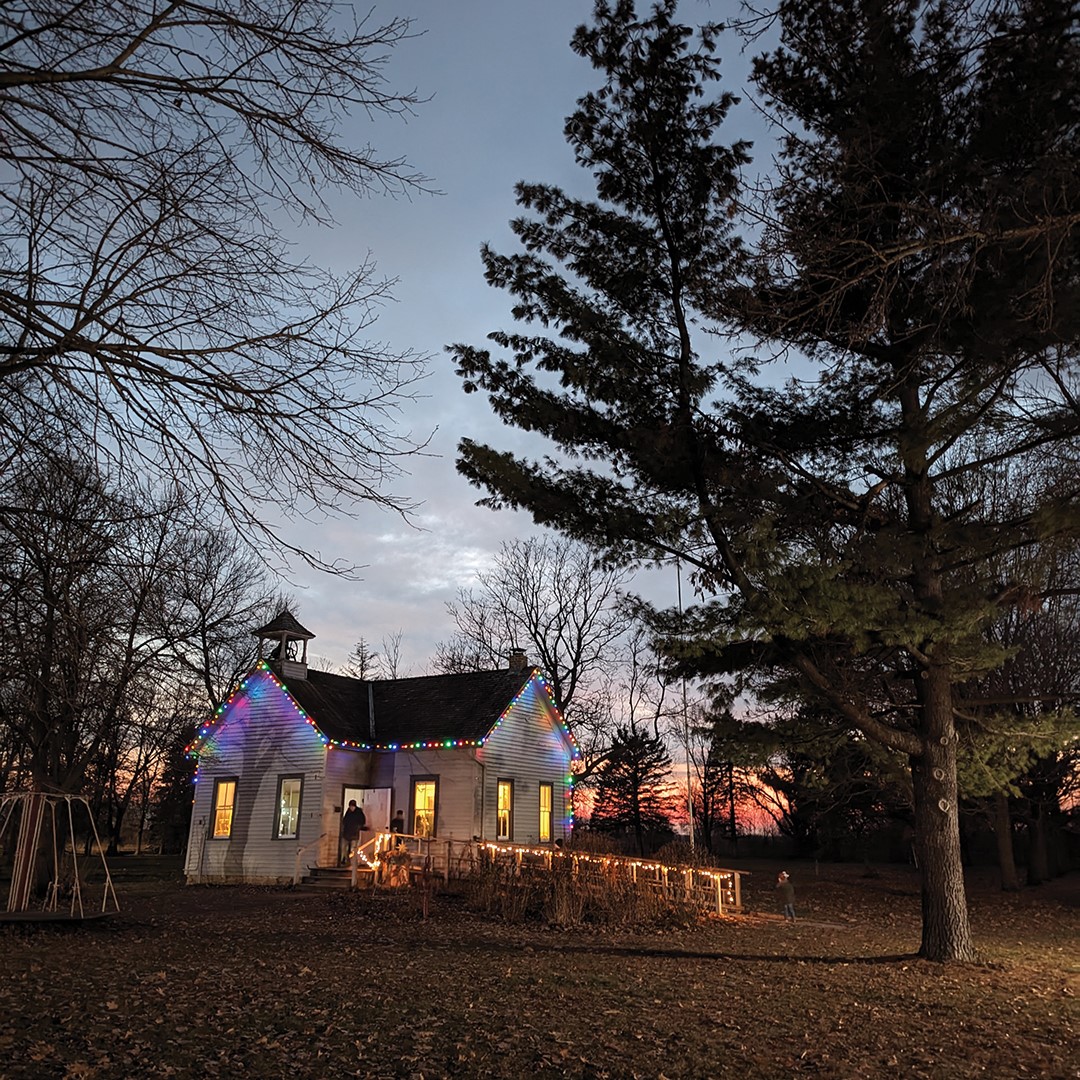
x=501, y=78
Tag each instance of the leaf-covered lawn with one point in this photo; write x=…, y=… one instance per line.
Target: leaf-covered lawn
x=227, y=982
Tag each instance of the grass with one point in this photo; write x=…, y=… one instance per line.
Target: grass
x=233, y=982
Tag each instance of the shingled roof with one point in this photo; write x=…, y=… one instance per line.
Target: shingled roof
x=285, y=622
x=428, y=708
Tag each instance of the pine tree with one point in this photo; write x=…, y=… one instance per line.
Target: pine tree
x=916, y=256
x=632, y=788
x=363, y=661
x=173, y=796
x=923, y=252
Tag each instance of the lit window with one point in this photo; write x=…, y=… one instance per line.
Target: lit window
x=505, y=816
x=424, y=807
x=289, y=807
x=546, y=795
x=224, y=802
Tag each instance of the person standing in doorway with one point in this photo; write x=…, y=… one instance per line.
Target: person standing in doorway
x=397, y=827
x=353, y=823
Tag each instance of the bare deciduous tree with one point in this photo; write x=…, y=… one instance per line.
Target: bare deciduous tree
x=553, y=599
x=151, y=155
x=121, y=623
x=81, y=577
x=392, y=667
x=218, y=592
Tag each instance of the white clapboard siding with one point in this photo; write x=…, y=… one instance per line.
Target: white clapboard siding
x=456, y=795
x=259, y=739
x=528, y=748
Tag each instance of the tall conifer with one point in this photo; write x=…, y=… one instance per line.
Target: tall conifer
x=916, y=255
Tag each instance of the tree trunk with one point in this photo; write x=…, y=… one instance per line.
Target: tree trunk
x=1010, y=880
x=1038, y=853
x=946, y=931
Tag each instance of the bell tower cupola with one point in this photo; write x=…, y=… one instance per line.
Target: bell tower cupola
x=283, y=644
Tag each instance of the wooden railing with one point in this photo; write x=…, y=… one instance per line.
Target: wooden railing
x=708, y=888
x=299, y=855
x=388, y=851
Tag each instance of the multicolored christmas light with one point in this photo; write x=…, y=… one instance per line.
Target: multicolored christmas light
x=207, y=730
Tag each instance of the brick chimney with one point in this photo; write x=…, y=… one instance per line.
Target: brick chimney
x=518, y=660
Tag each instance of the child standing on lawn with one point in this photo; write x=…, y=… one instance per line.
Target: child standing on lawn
x=787, y=895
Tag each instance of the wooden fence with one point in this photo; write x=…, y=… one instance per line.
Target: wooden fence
x=392, y=858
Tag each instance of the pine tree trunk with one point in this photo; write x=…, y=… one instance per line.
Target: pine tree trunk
x=1010, y=881
x=1038, y=854
x=946, y=931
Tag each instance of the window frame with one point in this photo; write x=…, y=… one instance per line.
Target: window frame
x=414, y=781
x=507, y=783
x=220, y=784
x=283, y=779
x=546, y=786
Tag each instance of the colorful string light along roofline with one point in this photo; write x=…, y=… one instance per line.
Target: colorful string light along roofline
x=542, y=679
x=263, y=667
x=206, y=730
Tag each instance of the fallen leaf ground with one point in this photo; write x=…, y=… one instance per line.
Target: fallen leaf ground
x=248, y=982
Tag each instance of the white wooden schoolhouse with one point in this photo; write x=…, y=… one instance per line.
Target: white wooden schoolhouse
x=483, y=755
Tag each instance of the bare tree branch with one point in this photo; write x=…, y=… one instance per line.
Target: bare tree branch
x=150, y=158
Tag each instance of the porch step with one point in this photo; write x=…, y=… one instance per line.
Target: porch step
x=335, y=877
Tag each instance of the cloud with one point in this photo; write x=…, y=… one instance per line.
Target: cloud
x=502, y=80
